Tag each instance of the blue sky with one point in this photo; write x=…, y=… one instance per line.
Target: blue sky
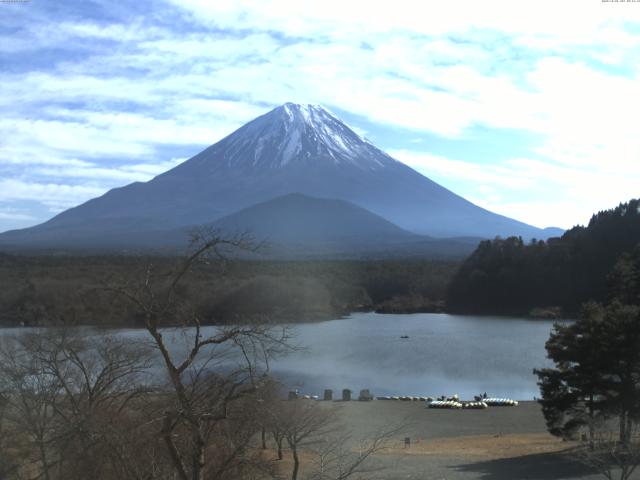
x=526, y=108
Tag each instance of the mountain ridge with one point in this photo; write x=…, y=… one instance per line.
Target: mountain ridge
x=292, y=148
x=298, y=217
x=300, y=226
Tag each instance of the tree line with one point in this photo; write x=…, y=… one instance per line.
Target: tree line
x=510, y=276
x=592, y=393
x=70, y=290
x=593, y=390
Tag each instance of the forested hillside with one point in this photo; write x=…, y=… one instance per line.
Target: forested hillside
x=75, y=290
x=509, y=276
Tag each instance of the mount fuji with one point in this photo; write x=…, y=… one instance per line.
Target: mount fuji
x=302, y=149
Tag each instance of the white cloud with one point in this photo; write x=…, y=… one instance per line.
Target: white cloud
x=570, y=20
x=531, y=190
x=443, y=167
x=13, y=214
x=440, y=68
x=57, y=196
x=106, y=175
x=43, y=160
x=589, y=116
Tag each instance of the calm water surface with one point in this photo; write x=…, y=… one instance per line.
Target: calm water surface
x=444, y=354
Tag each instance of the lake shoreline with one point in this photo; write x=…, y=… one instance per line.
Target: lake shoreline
x=303, y=321
x=508, y=442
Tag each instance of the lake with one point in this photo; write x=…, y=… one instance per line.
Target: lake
x=443, y=354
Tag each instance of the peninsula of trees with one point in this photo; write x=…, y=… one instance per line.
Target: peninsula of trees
x=509, y=276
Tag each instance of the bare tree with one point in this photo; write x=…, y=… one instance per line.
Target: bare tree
x=269, y=398
x=7, y=463
x=608, y=455
x=99, y=378
x=304, y=423
x=276, y=427
x=272, y=412
x=314, y=427
x=202, y=395
x=338, y=457
x=69, y=393
x=30, y=398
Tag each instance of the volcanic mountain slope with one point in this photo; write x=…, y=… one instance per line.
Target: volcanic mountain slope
x=293, y=226
x=293, y=148
x=297, y=218
x=297, y=225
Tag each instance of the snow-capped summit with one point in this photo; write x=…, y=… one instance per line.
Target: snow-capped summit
x=298, y=134
x=293, y=148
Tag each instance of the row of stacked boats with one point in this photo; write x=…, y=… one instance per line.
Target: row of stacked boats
x=407, y=398
x=455, y=403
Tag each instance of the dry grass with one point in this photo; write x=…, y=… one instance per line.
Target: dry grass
x=486, y=447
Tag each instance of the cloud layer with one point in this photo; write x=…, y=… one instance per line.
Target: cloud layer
x=98, y=94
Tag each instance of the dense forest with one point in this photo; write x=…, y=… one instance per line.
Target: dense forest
x=76, y=290
x=509, y=276
x=502, y=276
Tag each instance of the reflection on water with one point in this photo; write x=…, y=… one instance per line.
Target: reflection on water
x=443, y=354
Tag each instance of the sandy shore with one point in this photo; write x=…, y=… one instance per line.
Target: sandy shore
x=498, y=443
x=424, y=423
